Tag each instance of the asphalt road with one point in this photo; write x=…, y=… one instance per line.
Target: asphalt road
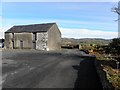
x=38, y=69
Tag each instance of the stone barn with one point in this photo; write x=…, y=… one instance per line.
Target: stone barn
x=36, y=36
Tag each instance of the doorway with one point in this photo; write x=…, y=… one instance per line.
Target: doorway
x=21, y=44
x=34, y=45
x=13, y=44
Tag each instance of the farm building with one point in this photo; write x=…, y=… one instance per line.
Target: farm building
x=36, y=36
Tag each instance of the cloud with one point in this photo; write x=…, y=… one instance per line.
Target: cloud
x=3, y=29
x=1, y=34
x=86, y=33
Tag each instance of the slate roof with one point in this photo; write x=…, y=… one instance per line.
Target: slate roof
x=31, y=28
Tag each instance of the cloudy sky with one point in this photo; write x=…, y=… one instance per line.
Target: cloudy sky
x=74, y=19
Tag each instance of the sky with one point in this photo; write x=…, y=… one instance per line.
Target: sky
x=74, y=19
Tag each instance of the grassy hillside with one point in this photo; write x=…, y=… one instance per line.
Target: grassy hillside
x=86, y=41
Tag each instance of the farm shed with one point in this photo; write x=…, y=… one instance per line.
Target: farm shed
x=45, y=36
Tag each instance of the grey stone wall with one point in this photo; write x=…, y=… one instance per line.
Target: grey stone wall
x=41, y=42
x=105, y=83
x=8, y=40
x=26, y=39
x=54, y=38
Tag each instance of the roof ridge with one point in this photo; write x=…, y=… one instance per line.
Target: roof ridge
x=35, y=24
x=44, y=27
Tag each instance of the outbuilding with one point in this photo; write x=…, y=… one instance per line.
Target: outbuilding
x=45, y=36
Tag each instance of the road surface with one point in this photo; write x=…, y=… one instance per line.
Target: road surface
x=38, y=69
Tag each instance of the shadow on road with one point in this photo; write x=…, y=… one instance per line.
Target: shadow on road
x=87, y=76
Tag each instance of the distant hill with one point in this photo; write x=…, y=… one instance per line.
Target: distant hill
x=98, y=41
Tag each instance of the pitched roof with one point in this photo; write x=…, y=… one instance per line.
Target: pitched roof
x=31, y=28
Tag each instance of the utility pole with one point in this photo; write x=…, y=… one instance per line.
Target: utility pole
x=117, y=10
